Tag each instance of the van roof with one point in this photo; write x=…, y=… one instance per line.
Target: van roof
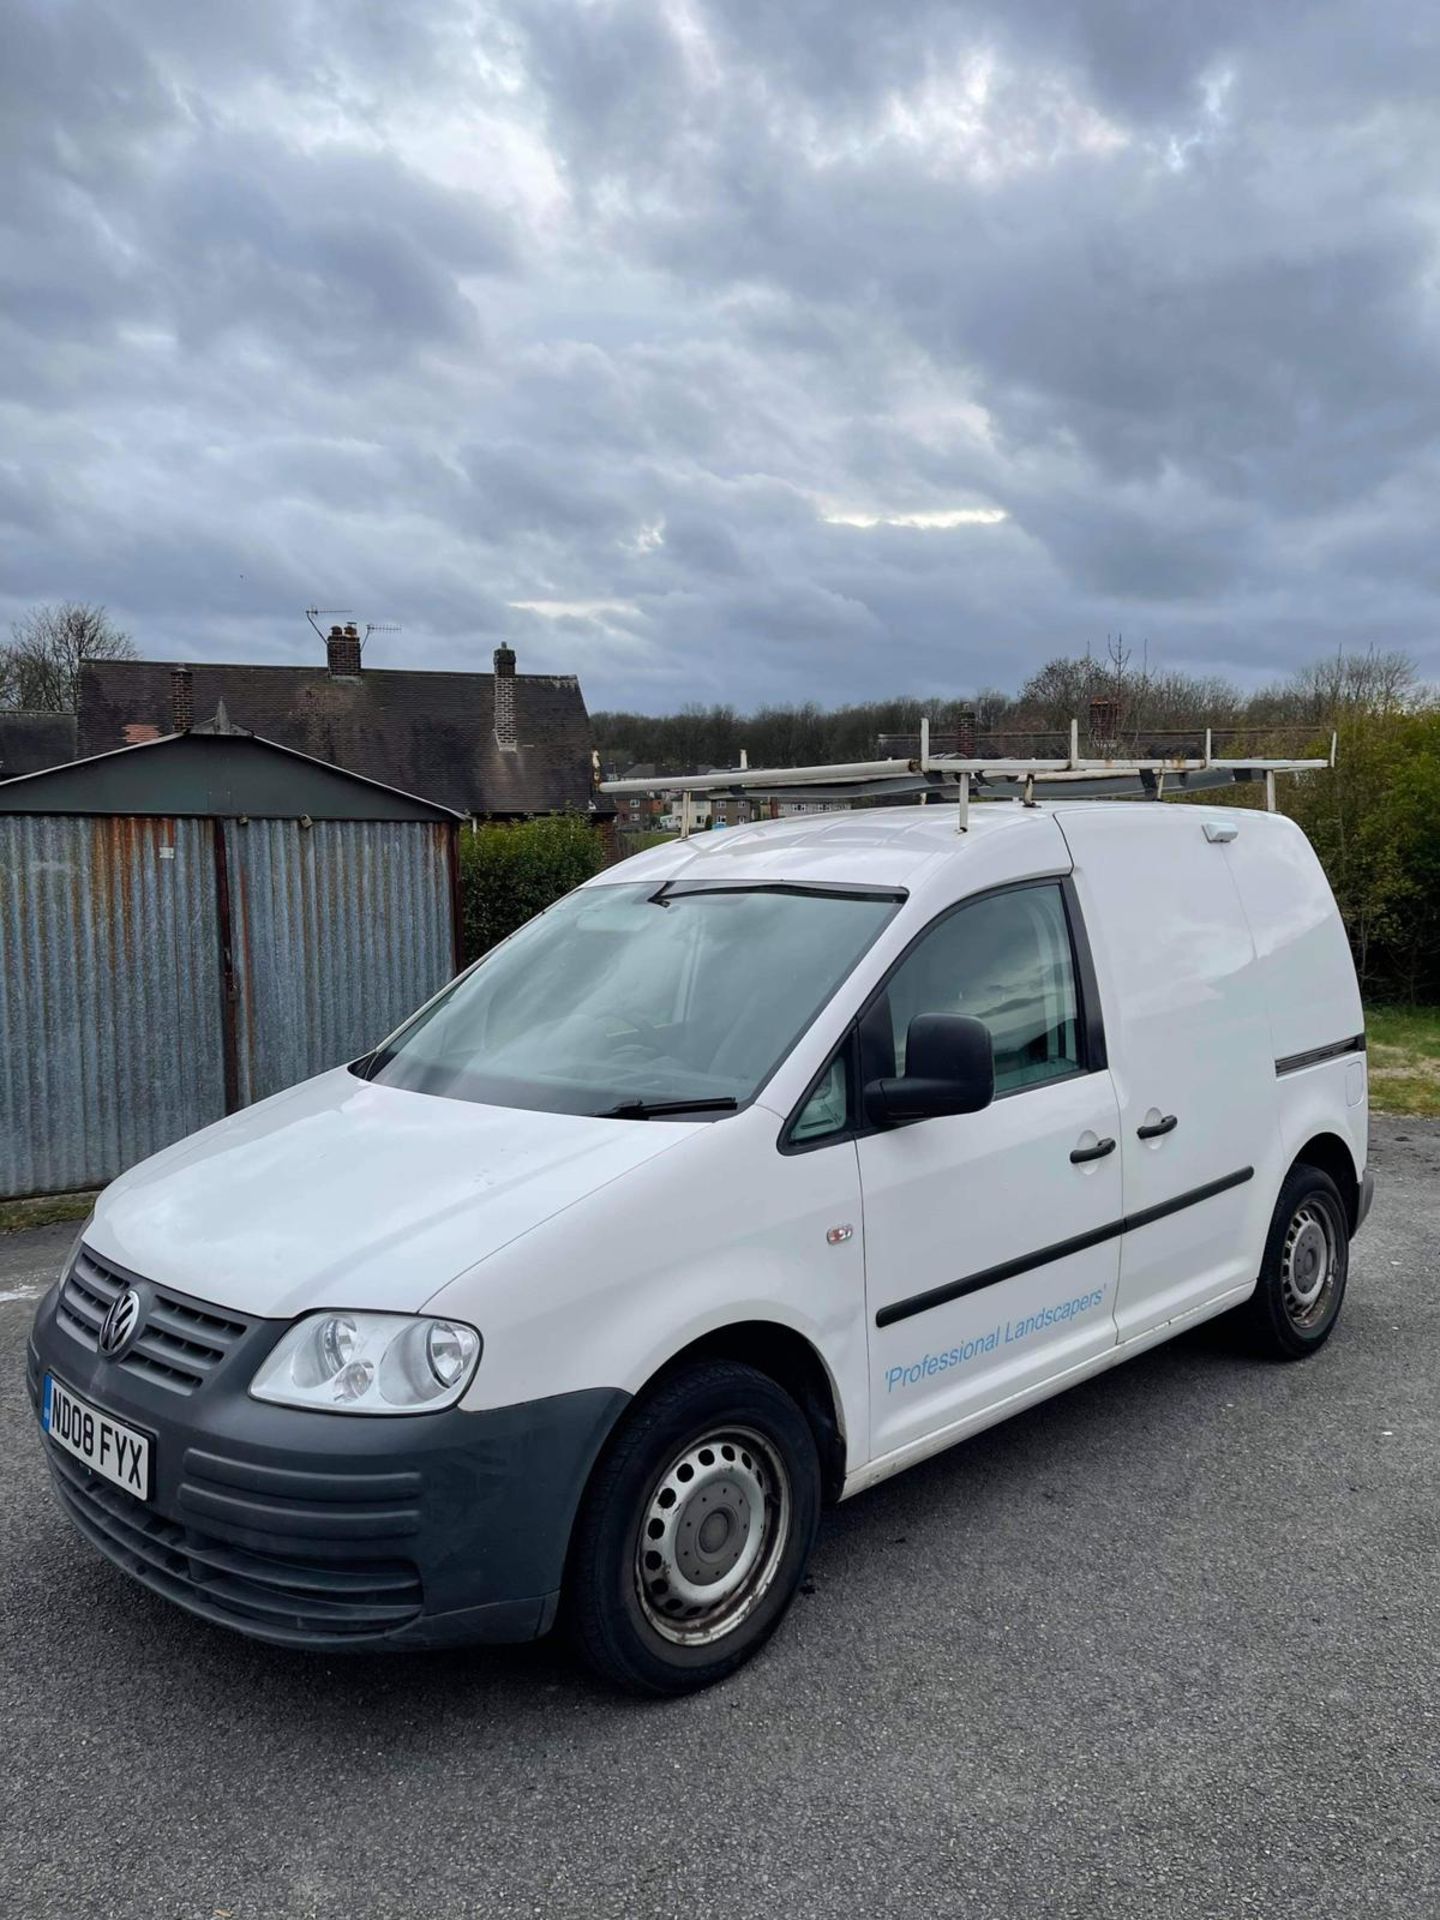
x=876, y=846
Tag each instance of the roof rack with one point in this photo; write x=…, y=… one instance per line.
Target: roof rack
x=993, y=778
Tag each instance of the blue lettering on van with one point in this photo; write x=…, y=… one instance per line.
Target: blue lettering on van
x=1005, y=1334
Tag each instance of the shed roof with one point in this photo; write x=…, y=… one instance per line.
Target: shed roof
x=429, y=733
x=212, y=771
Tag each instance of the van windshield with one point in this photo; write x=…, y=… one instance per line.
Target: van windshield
x=620, y=999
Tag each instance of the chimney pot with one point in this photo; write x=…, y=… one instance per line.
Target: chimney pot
x=181, y=700
x=342, y=652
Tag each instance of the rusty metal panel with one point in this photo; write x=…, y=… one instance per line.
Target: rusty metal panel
x=339, y=930
x=109, y=995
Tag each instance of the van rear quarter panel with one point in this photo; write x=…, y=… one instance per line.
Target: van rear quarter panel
x=1308, y=977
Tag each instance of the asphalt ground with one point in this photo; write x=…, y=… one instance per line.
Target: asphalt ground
x=1168, y=1646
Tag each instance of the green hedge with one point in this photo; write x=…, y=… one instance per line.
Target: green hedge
x=1375, y=823
x=510, y=873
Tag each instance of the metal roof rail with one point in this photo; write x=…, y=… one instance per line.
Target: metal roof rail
x=998, y=777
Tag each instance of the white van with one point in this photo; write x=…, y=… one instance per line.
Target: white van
x=759, y=1168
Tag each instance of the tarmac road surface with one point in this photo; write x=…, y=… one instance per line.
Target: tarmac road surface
x=1166, y=1646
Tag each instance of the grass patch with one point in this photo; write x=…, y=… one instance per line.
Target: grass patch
x=1404, y=1044
x=51, y=1210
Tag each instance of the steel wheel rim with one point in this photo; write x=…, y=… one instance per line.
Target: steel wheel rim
x=1309, y=1262
x=711, y=1536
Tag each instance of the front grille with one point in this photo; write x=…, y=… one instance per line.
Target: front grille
x=183, y=1340
x=268, y=1593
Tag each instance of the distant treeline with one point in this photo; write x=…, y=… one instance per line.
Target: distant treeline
x=1375, y=821
x=1145, y=704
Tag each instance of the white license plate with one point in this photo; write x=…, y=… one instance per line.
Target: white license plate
x=117, y=1452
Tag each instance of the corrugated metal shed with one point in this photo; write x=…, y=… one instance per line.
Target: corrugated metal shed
x=340, y=931
x=110, y=1037
x=163, y=964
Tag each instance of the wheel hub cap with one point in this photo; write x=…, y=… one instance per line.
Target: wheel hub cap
x=713, y=1530
x=1309, y=1262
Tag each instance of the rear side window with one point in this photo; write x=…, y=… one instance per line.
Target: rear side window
x=1005, y=960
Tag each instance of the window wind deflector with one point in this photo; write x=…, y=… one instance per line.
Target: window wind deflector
x=657, y=1109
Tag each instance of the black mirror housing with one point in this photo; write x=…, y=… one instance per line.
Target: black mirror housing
x=949, y=1069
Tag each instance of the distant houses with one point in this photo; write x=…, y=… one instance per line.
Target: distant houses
x=501, y=745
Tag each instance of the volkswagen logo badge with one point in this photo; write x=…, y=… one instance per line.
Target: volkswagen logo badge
x=121, y=1323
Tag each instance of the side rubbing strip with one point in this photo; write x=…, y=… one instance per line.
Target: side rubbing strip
x=1293, y=1062
x=992, y=1276
x=1148, y=1215
x=1008, y=1269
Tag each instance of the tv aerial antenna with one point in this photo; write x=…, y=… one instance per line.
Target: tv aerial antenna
x=315, y=614
x=312, y=614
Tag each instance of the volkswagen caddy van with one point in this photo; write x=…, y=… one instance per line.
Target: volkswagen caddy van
x=759, y=1168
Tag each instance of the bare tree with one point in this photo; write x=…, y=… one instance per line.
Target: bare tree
x=40, y=668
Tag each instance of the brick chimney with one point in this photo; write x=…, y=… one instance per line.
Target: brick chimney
x=965, y=733
x=342, y=651
x=505, y=699
x=182, y=713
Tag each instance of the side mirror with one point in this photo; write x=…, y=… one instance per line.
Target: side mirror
x=949, y=1068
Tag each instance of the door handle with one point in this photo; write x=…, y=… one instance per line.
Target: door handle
x=1167, y=1125
x=1097, y=1152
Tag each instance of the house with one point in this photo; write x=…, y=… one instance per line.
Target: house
x=503, y=744
x=738, y=810
x=638, y=812
x=31, y=742
x=660, y=811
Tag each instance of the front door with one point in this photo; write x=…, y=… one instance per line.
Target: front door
x=992, y=1238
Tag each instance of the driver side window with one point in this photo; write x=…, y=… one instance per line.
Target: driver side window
x=1005, y=960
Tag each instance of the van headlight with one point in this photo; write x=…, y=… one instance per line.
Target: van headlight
x=370, y=1363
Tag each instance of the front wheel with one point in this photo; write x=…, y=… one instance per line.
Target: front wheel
x=695, y=1530
x=1307, y=1262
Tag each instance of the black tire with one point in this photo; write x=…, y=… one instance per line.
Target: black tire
x=1308, y=1248
x=753, y=1503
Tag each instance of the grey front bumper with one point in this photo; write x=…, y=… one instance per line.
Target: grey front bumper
x=331, y=1530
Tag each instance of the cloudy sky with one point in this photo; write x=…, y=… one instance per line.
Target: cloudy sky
x=726, y=348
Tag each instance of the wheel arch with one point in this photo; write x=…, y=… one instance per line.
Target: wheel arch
x=792, y=1362
x=1334, y=1156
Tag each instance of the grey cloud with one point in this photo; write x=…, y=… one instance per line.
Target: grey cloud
x=335, y=259
x=435, y=309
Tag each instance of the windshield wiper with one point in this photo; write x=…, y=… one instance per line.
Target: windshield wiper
x=654, y=1109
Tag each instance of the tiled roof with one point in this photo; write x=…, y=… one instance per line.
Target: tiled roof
x=430, y=734
x=30, y=742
